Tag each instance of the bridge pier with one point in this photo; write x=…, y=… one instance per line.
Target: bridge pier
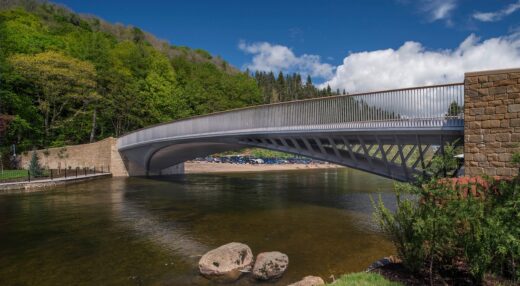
x=491, y=122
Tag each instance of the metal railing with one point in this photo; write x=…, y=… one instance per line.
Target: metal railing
x=11, y=176
x=430, y=106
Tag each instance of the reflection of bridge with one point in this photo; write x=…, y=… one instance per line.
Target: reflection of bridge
x=390, y=133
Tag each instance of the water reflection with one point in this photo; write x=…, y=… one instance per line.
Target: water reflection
x=151, y=232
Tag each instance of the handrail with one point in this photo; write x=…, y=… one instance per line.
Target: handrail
x=436, y=101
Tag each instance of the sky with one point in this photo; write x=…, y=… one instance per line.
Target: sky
x=358, y=45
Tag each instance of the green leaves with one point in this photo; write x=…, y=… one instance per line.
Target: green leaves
x=76, y=78
x=439, y=226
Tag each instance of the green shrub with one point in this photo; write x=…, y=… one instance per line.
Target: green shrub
x=34, y=166
x=437, y=229
x=363, y=279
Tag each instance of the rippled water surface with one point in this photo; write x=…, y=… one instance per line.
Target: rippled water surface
x=137, y=231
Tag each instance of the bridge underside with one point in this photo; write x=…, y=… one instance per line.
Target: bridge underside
x=399, y=155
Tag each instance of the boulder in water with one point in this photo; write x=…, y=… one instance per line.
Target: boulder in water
x=270, y=265
x=227, y=262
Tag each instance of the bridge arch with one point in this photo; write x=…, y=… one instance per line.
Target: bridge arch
x=389, y=133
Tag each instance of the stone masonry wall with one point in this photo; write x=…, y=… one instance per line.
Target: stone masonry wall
x=101, y=155
x=491, y=122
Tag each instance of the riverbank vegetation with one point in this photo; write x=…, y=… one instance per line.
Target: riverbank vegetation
x=456, y=231
x=363, y=279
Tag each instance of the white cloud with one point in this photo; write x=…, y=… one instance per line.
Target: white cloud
x=269, y=57
x=413, y=65
x=497, y=15
x=438, y=9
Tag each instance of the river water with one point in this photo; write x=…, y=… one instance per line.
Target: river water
x=137, y=231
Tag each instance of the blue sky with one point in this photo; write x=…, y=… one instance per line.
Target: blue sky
x=315, y=37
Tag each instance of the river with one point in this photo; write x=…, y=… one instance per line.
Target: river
x=137, y=231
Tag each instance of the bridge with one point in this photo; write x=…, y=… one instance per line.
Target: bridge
x=393, y=133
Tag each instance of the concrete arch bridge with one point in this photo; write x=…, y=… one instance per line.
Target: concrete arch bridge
x=393, y=133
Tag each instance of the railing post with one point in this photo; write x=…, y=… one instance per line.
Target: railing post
x=65, y=173
x=52, y=178
x=29, y=175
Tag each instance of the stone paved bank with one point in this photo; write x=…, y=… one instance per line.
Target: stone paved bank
x=39, y=185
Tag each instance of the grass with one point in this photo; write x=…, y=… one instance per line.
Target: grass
x=12, y=174
x=363, y=279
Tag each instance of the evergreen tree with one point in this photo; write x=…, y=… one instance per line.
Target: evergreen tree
x=35, y=168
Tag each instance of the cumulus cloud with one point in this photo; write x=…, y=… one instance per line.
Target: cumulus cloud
x=413, y=65
x=269, y=57
x=497, y=15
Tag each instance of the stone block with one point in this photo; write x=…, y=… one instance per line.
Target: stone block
x=515, y=122
x=497, y=77
x=475, y=138
x=470, y=80
x=506, y=172
x=503, y=137
x=479, y=157
x=505, y=82
x=490, y=171
x=491, y=124
x=513, y=95
x=488, y=138
x=490, y=110
x=512, y=88
x=486, y=84
x=497, y=164
x=483, y=78
x=496, y=102
x=513, y=108
x=501, y=109
x=477, y=111
x=497, y=90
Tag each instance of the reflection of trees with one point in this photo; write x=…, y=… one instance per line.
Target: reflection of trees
x=454, y=109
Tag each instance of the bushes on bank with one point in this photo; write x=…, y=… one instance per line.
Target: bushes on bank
x=444, y=228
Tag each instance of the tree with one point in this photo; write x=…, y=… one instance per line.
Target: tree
x=35, y=168
x=454, y=109
x=65, y=84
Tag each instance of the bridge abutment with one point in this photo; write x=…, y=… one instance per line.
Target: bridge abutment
x=491, y=122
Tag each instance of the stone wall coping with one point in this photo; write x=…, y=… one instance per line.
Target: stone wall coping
x=72, y=146
x=488, y=72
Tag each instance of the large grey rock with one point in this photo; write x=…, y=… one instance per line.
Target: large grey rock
x=227, y=262
x=270, y=265
x=309, y=281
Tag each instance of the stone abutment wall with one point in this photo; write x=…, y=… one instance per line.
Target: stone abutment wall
x=491, y=122
x=101, y=155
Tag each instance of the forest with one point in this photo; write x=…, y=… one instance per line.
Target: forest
x=67, y=78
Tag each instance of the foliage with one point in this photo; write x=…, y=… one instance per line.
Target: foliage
x=439, y=226
x=65, y=85
x=363, y=279
x=72, y=79
x=288, y=87
x=264, y=153
x=35, y=168
x=516, y=158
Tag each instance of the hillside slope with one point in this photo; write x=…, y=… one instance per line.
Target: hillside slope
x=70, y=78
